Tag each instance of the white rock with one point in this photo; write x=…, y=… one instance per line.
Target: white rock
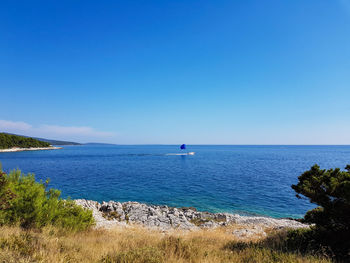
x=165, y=218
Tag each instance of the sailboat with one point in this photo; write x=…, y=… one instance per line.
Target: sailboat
x=183, y=147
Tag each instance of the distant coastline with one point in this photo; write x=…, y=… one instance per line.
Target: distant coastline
x=17, y=149
x=50, y=141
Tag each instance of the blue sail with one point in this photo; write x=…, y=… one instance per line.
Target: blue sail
x=183, y=147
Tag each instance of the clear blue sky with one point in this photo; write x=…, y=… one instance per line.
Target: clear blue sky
x=168, y=72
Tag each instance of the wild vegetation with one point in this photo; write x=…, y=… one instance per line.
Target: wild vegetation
x=136, y=245
x=330, y=189
x=8, y=141
x=29, y=204
x=36, y=226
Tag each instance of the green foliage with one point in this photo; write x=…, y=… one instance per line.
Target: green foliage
x=9, y=141
x=31, y=205
x=330, y=189
x=6, y=195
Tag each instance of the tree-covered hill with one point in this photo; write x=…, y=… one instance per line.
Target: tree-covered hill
x=50, y=141
x=9, y=141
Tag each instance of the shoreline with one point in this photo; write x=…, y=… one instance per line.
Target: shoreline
x=161, y=217
x=16, y=149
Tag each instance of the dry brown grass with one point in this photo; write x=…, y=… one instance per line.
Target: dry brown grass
x=132, y=244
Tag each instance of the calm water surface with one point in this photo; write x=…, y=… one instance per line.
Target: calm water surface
x=240, y=179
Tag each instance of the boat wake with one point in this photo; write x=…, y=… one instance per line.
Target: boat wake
x=190, y=153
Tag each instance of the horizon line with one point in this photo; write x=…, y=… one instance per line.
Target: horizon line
x=163, y=144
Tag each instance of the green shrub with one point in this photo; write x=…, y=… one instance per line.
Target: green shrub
x=6, y=195
x=330, y=189
x=29, y=204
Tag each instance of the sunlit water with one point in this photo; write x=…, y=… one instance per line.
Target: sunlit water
x=240, y=179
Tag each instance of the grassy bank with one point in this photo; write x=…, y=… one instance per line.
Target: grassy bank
x=134, y=244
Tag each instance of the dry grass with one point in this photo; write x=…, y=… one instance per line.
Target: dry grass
x=132, y=244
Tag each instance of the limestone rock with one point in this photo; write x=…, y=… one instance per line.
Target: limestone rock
x=256, y=231
x=109, y=214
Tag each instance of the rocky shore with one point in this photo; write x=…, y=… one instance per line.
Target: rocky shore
x=15, y=149
x=110, y=214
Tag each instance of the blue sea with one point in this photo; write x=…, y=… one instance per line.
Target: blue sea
x=249, y=180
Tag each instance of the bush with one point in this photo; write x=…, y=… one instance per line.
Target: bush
x=330, y=189
x=28, y=203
